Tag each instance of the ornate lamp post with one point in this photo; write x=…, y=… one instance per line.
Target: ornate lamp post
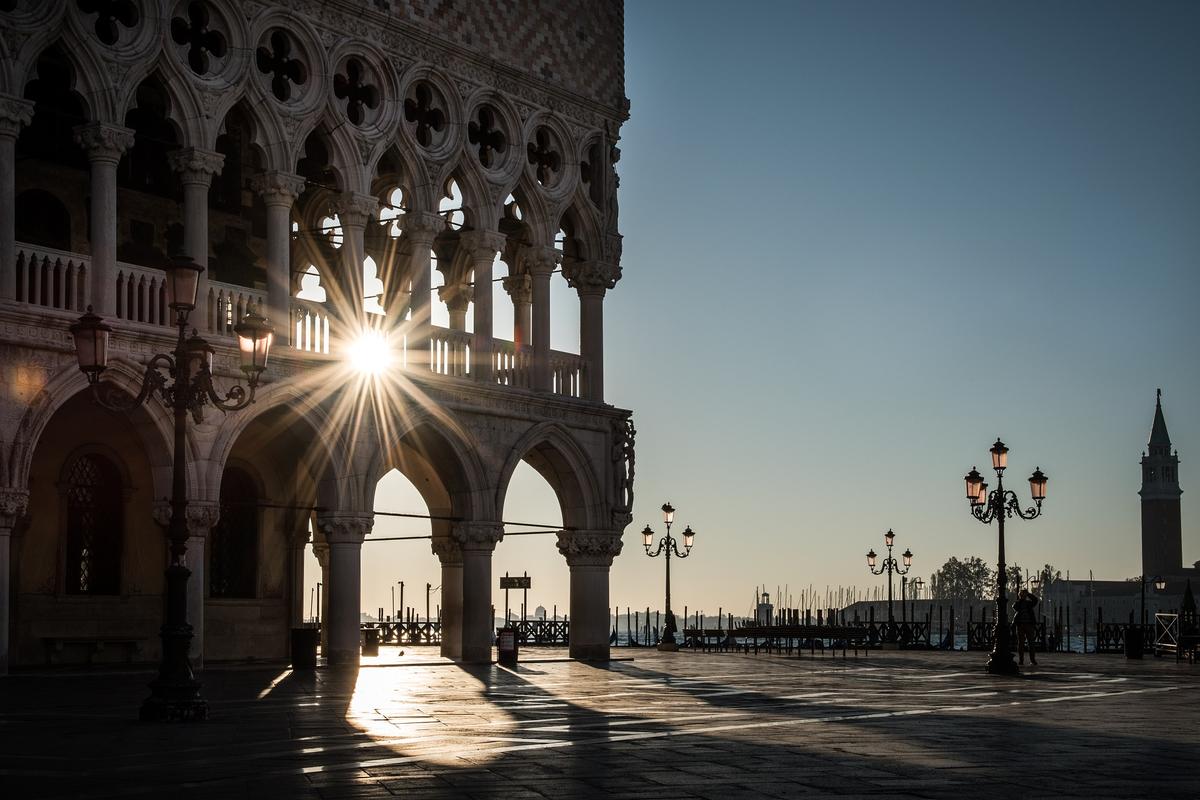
x=998, y=506
x=1159, y=584
x=667, y=545
x=890, y=566
x=186, y=387
x=917, y=585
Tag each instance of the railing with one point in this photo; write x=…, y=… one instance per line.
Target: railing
x=512, y=368
x=142, y=294
x=309, y=327
x=407, y=632
x=566, y=370
x=542, y=631
x=52, y=278
x=228, y=303
x=450, y=352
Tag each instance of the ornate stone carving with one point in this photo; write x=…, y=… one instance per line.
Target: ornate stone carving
x=277, y=188
x=356, y=209
x=104, y=142
x=422, y=228
x=519, y=288
x=341, y=528
x=477, y=535
x=482, y=245
x=624, y=436
x=448, y=550
x=195, y=165
x=591, y=277
x=589, y=548
x=13, y=503
x=15, y=113
x=201, y=517
x=541, y=260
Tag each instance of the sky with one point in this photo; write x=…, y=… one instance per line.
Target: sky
x=862, y=240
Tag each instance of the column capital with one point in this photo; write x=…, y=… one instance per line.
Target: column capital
x=13, y=504
x=456, y=296
x=200, y=516
x=541, y=260
x=104, y=142
x=591, y=277
x=420, y=227
x=195, y=166
x=277, y=188
x=448, y=550
x=589, y=548
x=519, y=288
x=482, y=245
x=345, y=528
x=15, y=113
x=477, y=535
x=356, y=209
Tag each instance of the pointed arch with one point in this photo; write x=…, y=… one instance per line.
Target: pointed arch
x=551, y=450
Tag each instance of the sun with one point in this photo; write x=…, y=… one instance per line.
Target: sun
x=370, y=352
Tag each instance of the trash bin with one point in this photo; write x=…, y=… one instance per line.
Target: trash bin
x=506, y=646
x=1134, y=642
x=370, y=645
x=304, y=647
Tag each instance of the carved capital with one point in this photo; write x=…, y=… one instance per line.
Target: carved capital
x=482, y=245
x=591, y=277
x=277, y=188
x=477, y=535
x=345, y=528
x=541, y=261
x=448, y=550
x=199, y=516
x=519, y=288
x=195, y=166
x=103, y=142
x=589, y=548
x=356, y=209
x=456, y=296
x=13, y=504
x=321, y=553
x=15, y=114
x=421, y=229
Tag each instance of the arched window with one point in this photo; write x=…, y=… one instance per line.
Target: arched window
x=95, y=522
x=233, y=541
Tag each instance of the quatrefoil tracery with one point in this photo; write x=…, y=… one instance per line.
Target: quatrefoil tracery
x=486, y=136
x=198, y=36
x=545, y=159
x=429, y=120
x=277, y=62
x=354, y=89
x=108, y=14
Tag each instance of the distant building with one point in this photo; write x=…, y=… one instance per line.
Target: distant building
x=539, y=612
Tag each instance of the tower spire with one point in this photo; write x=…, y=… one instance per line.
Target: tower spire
x=1158, y=432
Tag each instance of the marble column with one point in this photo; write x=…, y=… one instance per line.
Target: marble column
x=279, y=191
x=297, y=544
x=354, y=211
x=591, y=279
x=450, y=555
x=15, y=113
x=477, y=540
x=457, y=299
x=590, y=555
x=13, y=503
x=482, y=247
x=321, y=553
x=541, y=265
x=520, y=290
x=420, y=231
x=104, y=145
x=196, y=169
x=344, y=533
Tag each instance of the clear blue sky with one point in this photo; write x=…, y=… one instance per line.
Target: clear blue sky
x=862, y=239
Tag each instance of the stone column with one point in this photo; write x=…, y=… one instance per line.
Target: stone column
x=354, y=211
x=450, y=555
x=420, y=230
x=592, y=279
x=520, y=289
x=104, y=145
x=589, y=555
x=13, y=503
x=482, y=247
x=14, y=114
x=279, y=191
x=321, y=553
x=196, y=168
x=457, y=299
x=344, y=534
x=201, y=516
x=542, y=264
x=477, y=540
x=297, y=542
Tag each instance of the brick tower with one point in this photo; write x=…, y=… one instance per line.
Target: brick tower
x=1162, y=538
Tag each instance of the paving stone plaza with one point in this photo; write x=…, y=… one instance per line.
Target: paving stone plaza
x=683, y=725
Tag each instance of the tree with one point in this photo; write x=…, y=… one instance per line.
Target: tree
x=967, y=579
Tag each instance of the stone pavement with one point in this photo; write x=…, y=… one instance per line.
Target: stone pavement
x=661, y=726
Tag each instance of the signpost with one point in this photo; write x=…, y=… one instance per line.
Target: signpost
x=522, y=582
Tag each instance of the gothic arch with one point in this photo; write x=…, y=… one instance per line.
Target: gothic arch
x=550, y=449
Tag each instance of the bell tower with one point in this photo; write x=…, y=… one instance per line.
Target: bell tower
x=1162, y=536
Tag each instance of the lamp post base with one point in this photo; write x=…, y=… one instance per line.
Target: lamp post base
x=668, y=647
x=1002, y=664
x=175, y=693
x=174, y=705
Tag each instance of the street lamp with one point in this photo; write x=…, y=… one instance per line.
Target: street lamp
x=186, y=388
x=998, y=505
x=917, y=585
x=667, y=545
x=1159, y=585
x=890, y=566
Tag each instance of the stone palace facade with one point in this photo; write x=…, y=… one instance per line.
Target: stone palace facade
x=358, y=170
